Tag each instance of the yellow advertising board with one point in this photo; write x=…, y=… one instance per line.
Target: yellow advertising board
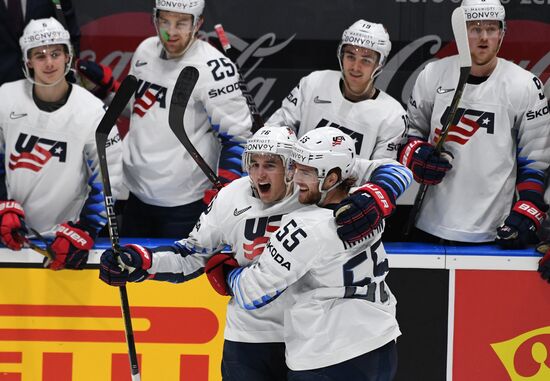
x=67, y=325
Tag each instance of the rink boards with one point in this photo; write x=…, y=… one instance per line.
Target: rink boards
x=466, y=313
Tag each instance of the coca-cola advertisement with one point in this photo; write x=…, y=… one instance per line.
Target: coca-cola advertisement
x=281, y=41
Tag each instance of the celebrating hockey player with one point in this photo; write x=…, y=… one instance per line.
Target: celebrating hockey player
x=243, y=215
x=50, y=177
x=348, y=99
x=498, y=143
x=342, y=325
x=166, y=186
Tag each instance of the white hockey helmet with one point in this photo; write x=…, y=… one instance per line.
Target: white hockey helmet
x=478, y=10
x=367, y=35
x=270, y=140
x=326, y=148
x=192, y=7
x=43, y=32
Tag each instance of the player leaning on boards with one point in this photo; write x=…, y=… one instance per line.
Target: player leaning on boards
x=342, y=325
x=499, y=142
x=166, y=186
x=244, y=215
x=348, y=99
x=50, y=177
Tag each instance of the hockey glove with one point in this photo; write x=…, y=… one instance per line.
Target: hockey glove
x=217, y=268
x=97, y=78
x=362, y=212
x=130, y=266
x=428, y=166
x=520, y=227
x=12, y=225
x=71, y=246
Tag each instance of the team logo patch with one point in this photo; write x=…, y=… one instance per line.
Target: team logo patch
x=33, y=152
x=147, y=95
x=257, y=232
x=337, y=140
x=465, y=124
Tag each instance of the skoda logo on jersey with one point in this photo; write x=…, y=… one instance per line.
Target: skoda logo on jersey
x=466, y=123
x=257, y=232
x=34, y=152
x=356, y=136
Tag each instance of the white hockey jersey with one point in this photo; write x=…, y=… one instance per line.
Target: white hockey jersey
x=501, y=134
x=157, y=168
x=377, y=125
x=343, y=306
x=242, y=221
x=50, y=158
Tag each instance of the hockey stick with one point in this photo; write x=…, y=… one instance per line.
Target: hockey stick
x=232, y=53
x=180, y=97
x=458, y=22
x=127, y=88
x=46, y=251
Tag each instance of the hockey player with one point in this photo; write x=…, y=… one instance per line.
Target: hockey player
x=348, y=99
x=342, y=325
x=243, y=215
x=499, y=142
x=166, y=186
x=50, y=178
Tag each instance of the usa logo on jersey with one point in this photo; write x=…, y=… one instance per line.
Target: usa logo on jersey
x=147, y=95
x=34, y=152
x=465, y=124
x=257, y=232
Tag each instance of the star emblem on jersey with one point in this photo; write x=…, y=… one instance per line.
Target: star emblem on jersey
x=318, y=100
x=17, y=116
x=237, y=212
x=140, y=63
x=441, y=90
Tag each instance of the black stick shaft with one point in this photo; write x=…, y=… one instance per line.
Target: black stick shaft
x=121, y=98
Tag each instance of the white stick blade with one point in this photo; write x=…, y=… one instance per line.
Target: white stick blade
x=458, y=21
